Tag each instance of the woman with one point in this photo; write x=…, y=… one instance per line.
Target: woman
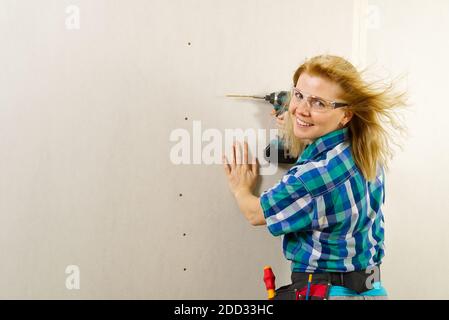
x=328, y=205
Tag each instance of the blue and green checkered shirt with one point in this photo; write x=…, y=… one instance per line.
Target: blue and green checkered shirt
x=329, y=214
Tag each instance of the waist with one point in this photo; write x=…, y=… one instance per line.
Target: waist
x=378, y=290
x=357, y=281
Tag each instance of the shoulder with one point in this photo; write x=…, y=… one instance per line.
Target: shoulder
x=326, y=173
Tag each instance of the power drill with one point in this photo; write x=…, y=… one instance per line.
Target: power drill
x=280, y=101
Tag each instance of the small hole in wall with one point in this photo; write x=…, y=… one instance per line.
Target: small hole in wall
x=180, y=194
x=185, y=118
x=188, y=43
x=185, y=269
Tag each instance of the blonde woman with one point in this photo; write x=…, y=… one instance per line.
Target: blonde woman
x=328, y=205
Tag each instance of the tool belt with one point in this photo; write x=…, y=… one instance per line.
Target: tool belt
x=321, y=283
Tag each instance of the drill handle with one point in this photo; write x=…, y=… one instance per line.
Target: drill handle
x=279, y=100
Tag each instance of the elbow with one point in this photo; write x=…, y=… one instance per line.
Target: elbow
x=255, y=222
x=258, y=217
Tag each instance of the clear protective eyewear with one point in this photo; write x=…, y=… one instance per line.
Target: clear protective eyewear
x=315, y=103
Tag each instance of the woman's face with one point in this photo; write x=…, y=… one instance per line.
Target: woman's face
x=308, y=124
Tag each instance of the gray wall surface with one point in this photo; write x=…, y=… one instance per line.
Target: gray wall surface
x=91, y=91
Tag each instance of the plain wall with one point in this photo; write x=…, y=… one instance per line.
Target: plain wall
x=86, y=177
x=410, y=41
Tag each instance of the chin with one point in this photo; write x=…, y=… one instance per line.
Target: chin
x=304, y=135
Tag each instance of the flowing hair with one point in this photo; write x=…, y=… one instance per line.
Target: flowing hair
x=374, y=126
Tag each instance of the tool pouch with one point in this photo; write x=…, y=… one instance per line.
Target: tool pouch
x=285, y=293
x=317, y=292
x=319, y=289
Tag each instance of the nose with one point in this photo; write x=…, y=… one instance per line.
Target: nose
x=301, y=107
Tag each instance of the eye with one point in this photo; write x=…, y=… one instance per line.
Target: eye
x=317, y=103
x=298, y=95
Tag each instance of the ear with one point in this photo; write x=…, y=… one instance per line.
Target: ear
x=347, y=117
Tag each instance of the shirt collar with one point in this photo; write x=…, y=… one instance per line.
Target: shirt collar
x=324, y=143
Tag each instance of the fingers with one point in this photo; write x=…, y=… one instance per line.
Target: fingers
x=245, y=155
x=238, y=154
x=233, y=157
x=237, y=160
x=250, y=166
x=279, y=122
x=255, y=166
x=280, y=119
x=227, y=168
x=274, y=113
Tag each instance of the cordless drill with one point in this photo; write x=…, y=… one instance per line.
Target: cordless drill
x=279, y=100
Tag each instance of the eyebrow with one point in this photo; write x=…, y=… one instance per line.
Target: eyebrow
x=327, y=100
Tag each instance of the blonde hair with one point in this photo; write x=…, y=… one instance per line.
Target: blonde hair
x=373, y=125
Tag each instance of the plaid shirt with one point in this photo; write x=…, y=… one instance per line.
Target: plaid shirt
x=329, y=215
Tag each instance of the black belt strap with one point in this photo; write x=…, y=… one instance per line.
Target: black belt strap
x=356, y=280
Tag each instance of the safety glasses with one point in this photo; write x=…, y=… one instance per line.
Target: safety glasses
x=315, y=103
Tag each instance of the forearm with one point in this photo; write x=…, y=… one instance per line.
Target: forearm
x=249, y=205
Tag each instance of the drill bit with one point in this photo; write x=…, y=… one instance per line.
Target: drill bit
x=244, y=96
x=278, y=99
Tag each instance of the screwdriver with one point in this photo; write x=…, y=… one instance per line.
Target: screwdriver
x=278, y=99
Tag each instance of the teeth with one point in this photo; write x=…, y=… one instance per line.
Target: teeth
x=302, y=123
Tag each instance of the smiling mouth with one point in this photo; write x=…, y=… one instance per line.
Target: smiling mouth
x=303, y=124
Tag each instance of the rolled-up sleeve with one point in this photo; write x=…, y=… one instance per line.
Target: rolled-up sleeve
x=288, y=206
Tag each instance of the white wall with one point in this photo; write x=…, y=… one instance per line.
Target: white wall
x=410, y=40
x=85, y=120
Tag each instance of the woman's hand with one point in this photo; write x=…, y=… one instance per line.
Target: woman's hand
x=279, y=119
x=242, y=176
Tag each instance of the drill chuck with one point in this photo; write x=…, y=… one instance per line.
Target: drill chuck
x=279, y=100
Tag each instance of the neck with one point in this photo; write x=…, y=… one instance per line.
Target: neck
x=307, y=141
